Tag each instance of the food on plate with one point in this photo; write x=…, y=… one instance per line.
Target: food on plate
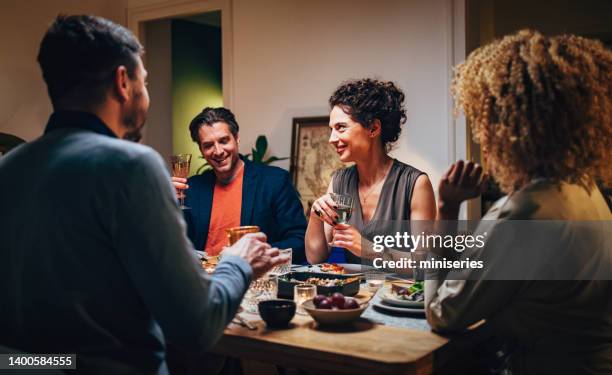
x=209, y=263
x=413, y=292
x=324, y=282
x=336, y=302
x=398, y=286
x=331, y=268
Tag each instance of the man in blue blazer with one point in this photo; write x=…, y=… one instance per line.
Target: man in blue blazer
x=237, y=191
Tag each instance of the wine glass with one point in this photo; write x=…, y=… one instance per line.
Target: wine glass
x=180, y=164
x=344, y=204
x=283, y=268
x=344, y=209
x=262, y=289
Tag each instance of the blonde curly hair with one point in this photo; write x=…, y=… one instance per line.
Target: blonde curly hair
x=539, y=107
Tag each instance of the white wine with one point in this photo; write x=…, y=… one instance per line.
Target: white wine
x=344, y=214
x=180, y=169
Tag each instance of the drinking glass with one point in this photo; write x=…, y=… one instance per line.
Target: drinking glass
x=262, y=289
x=283, y=268
x=344, y=208
x=235, y=233
x=344, y=204
x=303, y=293
x=180, y=164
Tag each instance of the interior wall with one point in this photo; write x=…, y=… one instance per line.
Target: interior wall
x=24, y=104
x=158, y=61
x=196, y=80
x=584, y=17
x=289, y=56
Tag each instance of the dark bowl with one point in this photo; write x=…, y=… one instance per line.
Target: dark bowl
x=277, y=313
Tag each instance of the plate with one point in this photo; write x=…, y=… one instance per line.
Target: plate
x=350, y=269
x=387, y=297
x=378, y=305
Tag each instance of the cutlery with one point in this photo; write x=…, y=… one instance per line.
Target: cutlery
x=243, y=322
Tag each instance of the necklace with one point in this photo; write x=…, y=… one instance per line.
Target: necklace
x=364, y=197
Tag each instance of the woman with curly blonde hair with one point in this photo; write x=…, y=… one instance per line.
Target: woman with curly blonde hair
x=541, y=109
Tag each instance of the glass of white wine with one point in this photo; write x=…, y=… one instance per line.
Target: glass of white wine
x=180, y=164
x=344, y=209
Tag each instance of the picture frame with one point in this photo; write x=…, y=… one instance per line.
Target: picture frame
x=313, y=158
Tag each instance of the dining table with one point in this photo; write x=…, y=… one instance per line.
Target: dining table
x=377, y=343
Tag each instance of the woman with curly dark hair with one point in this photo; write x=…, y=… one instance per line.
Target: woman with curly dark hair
x=365, y=120
x=541, y=109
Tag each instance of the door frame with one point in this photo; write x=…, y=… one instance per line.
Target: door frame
x=139, y=14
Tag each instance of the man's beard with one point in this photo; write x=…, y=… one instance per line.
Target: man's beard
x=133, y=135
x=133, y=123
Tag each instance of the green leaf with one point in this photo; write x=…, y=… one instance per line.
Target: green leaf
x=261, y=144
x=272, y=159
x=259, y=152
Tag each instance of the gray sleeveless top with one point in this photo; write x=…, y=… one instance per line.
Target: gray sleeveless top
x=393, y=204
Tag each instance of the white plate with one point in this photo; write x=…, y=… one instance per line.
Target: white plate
x=350, y=269
x=387, y=297
x=398, y=310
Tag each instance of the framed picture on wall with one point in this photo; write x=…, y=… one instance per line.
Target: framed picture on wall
x=313, y=159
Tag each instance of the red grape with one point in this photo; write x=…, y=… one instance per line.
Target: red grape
x=350, y=303
x=318, y=299
x=325, y=304
x=337, y=300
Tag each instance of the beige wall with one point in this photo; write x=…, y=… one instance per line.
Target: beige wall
x=158, y=60
x=289, y=56
x=584, y=17
x=24, y=105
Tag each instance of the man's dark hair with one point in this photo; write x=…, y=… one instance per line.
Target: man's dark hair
x=79, y=56
x=209, y=116
x=366, y=100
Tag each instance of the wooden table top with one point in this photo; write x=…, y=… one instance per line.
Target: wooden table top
x=363, y=348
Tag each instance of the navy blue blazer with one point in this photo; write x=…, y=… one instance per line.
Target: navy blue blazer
x=269, y=200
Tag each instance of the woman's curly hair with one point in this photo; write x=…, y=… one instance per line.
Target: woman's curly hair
x=368, y=99
x=540, y=107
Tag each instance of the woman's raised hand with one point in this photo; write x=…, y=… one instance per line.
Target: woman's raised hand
x=324, y=209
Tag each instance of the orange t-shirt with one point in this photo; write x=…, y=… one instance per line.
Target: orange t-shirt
x=225, y=213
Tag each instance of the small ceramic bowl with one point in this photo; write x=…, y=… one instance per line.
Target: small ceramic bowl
x=333, y=317
x=277, y=313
